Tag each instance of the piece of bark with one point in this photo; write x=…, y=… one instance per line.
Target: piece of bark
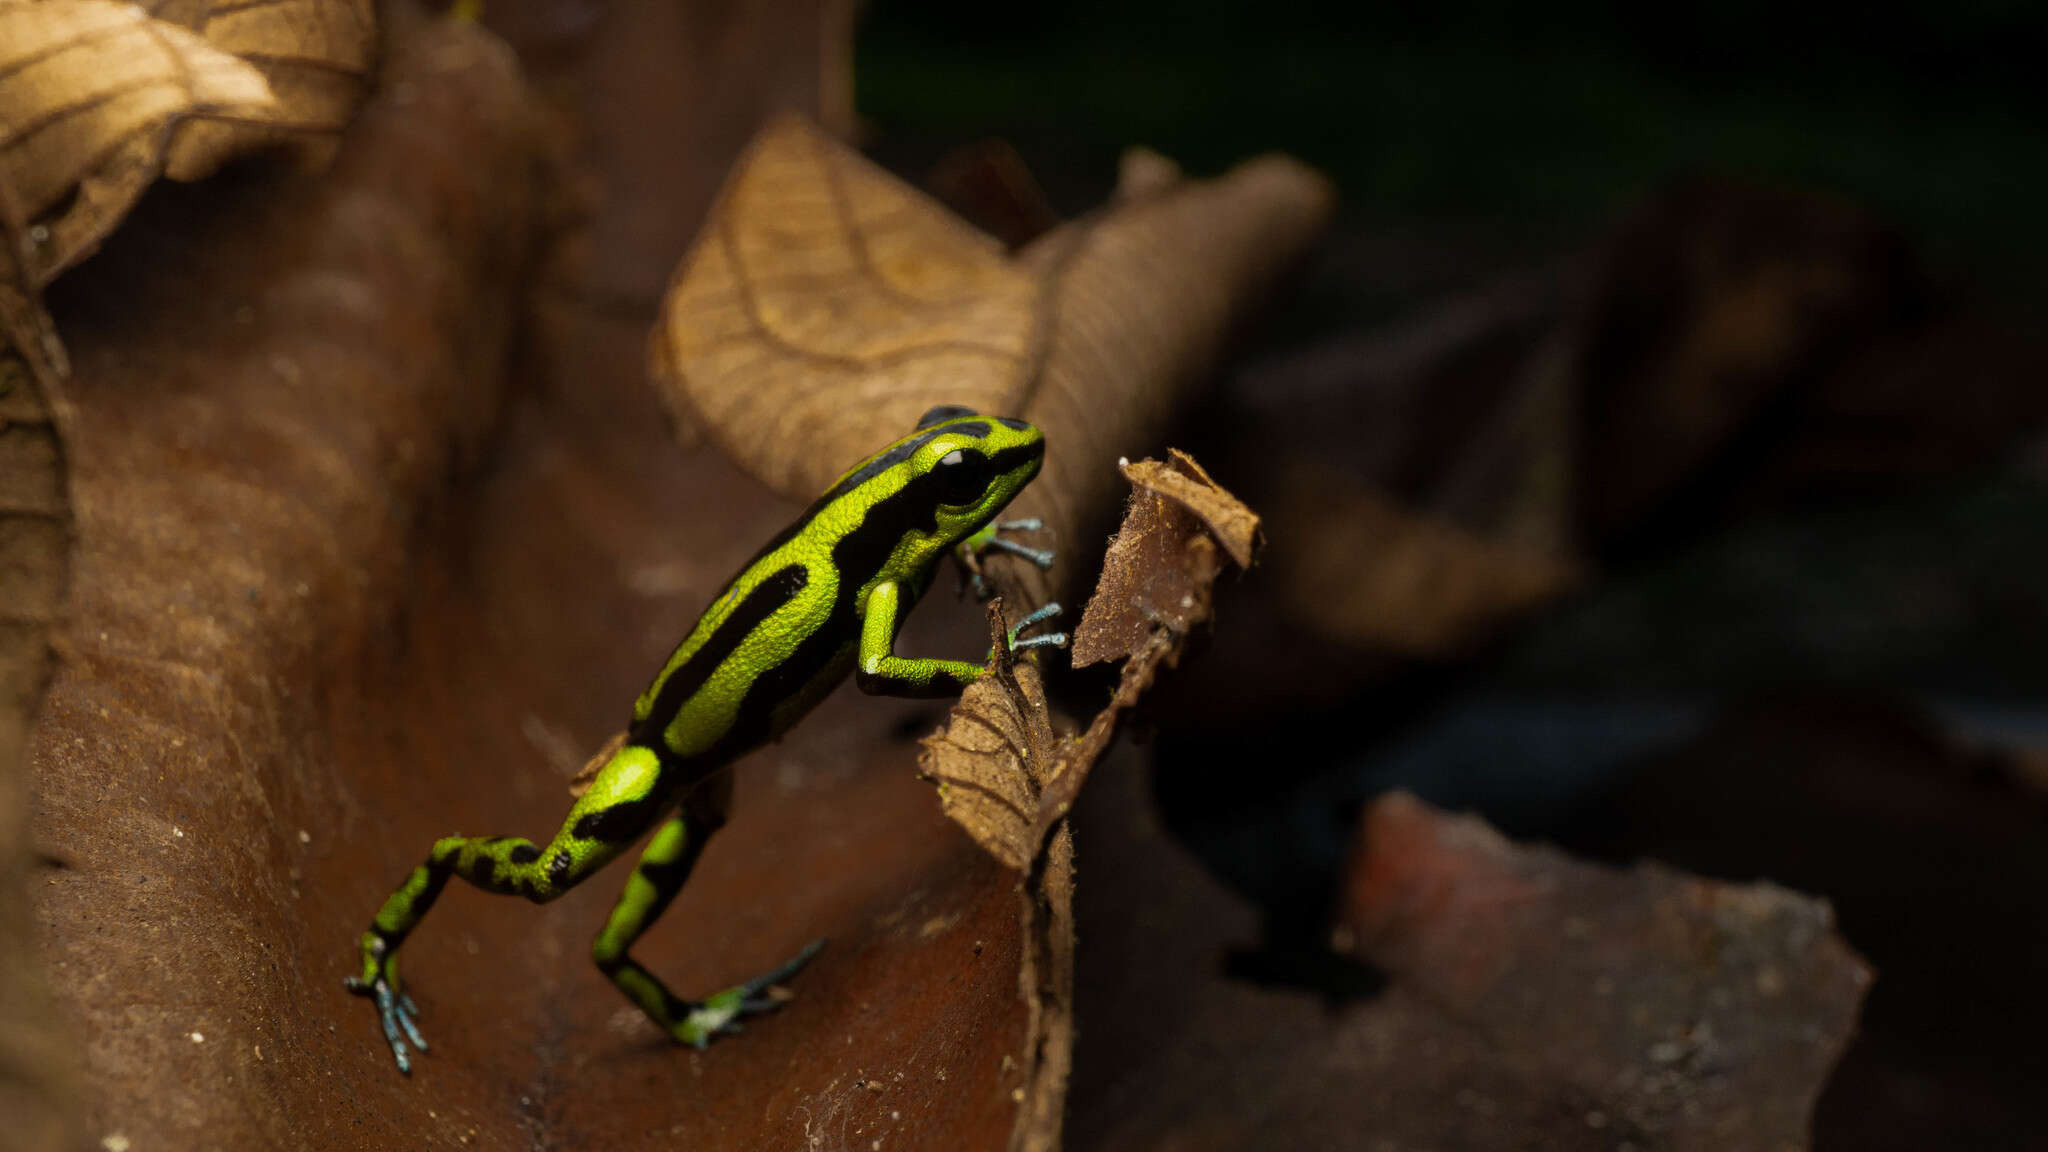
x=1934, y=861
x=1699, y=1014
x=1175, y=1055
x=38, y=1060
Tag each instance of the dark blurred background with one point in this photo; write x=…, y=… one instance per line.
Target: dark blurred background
x=1651, y=459
x=1509, y=127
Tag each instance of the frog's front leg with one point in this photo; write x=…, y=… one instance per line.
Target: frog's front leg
x=623, y=800
x=990, y=537
x=662, y=870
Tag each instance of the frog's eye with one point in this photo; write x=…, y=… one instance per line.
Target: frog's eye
x=961, y=476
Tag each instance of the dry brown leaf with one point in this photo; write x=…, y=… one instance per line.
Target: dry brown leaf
x=313, y=455
x=88, y=92
x=97, y=98
x=1002, y=776
x=1186, y=483
x=827, y=304
x=316, y=54
x=1160, y=567
x=994, y=754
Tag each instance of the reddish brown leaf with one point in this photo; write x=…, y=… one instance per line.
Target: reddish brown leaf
x=1698, y=1014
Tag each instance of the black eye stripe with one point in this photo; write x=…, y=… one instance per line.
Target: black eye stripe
x=961, y=476
x=1011, y=458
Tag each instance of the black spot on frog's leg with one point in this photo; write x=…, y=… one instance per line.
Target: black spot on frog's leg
x=668, y=875
x=524, y=854
x=665, y=866
x=558, y=868
x=619, y=823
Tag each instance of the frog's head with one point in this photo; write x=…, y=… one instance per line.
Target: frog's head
x=938, y=485
x=970, y=466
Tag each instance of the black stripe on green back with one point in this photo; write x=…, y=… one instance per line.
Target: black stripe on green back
x=762, y=602
x=867, y=471
x=856, y=556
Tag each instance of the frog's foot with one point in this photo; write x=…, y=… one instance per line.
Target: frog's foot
x=1051, y=639
x=720, y=1014
x=969, y=551
x=395, y=1009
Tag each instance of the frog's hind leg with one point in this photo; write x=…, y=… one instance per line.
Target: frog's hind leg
x=622, y=802
x=662, y=870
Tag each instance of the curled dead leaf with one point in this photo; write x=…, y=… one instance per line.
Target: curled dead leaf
x=1162, y=564
x=1184, y=482
x=316, y=55
x=97, y=98
x=1002, y=774
x=992, y=757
